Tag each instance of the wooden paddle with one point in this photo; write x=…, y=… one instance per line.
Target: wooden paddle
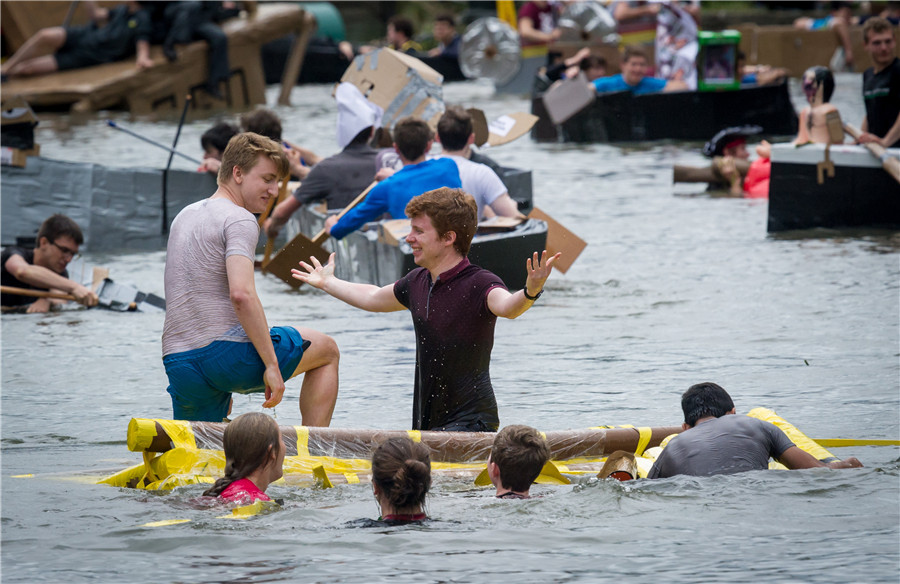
x=270, y=242
x=890, y=164
x=35, y=293
x=302, y=247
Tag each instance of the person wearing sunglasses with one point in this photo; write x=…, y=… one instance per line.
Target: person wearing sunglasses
x=44, y=267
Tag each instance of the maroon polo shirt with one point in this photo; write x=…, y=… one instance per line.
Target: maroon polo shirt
x=454, y=337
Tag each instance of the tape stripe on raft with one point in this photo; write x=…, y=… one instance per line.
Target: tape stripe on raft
x=302, y=441
x=414, y=435
x=646, y=433
x=180, y=433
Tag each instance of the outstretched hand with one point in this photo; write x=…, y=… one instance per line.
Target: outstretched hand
x=538, y=271
x=315, y=275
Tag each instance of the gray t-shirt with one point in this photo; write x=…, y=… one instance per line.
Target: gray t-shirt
x=724, y=445
x=198, y=303
x=339, y=178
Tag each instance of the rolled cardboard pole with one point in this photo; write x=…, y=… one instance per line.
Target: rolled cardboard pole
x=150, y=436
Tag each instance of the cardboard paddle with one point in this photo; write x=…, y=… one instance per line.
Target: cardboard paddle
x=890, y=164
x=302, y=248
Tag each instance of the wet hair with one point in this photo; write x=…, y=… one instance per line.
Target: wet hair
x=634, y=51
x=402, y=25
x=248, y=441
x=591, y=62
x=822, y=77
x=381, y=138
x=704, y=400
x=449, y=210
x=520, y=452
x=243, y=151
x=58, y=225
x=877, y=25
x=446, y=17
x=264, y=122
x=218, y=136
x=411, y=137
x=454, y=128
x=401, y=469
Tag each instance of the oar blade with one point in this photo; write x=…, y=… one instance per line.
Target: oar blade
x=300, y=248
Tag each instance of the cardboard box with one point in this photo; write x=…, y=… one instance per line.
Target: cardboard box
x=566, y=98
x=16, y=156
x=398, y=83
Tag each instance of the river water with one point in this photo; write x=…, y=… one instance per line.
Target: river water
x=675, y=287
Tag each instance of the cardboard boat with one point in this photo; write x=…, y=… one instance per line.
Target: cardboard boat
x=842, y=186
x=677, y=115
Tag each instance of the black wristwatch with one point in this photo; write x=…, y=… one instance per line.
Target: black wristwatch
x=530, y=297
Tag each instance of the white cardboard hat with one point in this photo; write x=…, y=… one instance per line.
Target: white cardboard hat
x=355, y=113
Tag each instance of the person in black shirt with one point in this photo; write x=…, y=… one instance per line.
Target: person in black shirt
x=113, y=34
x=881, y=86
x=44, y=267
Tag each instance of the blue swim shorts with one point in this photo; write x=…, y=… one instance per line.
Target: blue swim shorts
x=202, y=380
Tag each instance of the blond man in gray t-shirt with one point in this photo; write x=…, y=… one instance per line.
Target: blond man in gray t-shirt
x=216, y=340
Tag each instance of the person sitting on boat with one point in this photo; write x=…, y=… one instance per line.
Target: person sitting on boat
x=254, y=459
x=266, y=123
x=517, y=457
x=818, y=86
x=456, y=135
x=716, y=441
x=444, y=31
x=881, y=86
x=113, y=35
x=213, y=141
x=633, y=77
x=412, y=141
x=454, y=306
x=757, y=74
x=593, y=66
x=44, y=267
x=340, y=178
x=731, y=160
x=537, y=23
x=401, y=477
x=216, y=340
x=839, y=21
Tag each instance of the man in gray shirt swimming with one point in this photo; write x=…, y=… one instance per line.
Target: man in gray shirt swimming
x=715, y=441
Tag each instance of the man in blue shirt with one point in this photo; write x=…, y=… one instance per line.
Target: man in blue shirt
x=412, y=141
x=633, y=76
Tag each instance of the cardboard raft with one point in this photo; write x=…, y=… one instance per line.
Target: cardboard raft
x=167, y=84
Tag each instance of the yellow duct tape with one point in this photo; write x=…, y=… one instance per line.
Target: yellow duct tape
x=414, y=435
x=180, y=433
x=302, y=441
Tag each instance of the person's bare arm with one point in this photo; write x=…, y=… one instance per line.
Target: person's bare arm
x=97, y=13
x=794, y=458
x=250, y=313
x=41, y=277
x=505, y=206
x=892, y=135
x=530, y=34
x=510, y=305
x=364, y=296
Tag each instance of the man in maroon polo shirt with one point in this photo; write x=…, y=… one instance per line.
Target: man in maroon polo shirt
x=454, y=307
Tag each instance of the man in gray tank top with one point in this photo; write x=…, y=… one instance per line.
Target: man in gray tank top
x=715, y=441
x=216, y=340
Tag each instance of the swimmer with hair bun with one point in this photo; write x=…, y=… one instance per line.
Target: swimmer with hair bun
x=401, y=477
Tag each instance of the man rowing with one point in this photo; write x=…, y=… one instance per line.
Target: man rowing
x=44, y=267
x=715, y=441
x=454, y=307
x=216, y=340
x=412, y=141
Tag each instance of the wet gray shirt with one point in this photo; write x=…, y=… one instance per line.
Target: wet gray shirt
x=723, y=445
x=198, y=301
